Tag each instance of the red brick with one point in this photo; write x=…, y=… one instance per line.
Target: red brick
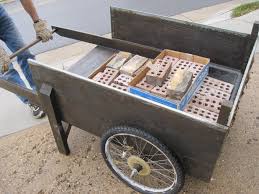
x=160, y=90
x=107, y=76
x=171, y=59
x=218, y=84
x=123, y=80
x=144, y=85
x=203, y=113
x=212, y=92
x=120, y=87
x=158, y=73
x=205, y=102
x=195, y=68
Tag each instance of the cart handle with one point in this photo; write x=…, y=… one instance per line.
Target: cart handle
x=21, y=50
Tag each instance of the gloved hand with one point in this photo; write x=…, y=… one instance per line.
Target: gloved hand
x=4, y=60
x=42, y=31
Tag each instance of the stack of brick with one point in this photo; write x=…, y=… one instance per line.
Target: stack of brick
x=208, y=99
x=121, y=69
x=163, y=70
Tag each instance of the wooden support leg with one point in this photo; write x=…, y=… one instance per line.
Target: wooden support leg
x=47, y=98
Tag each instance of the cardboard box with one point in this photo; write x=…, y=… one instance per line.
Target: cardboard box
x=191, y=91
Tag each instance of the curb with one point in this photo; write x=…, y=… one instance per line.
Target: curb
x=6, y=2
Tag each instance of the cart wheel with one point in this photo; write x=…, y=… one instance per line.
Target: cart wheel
x=141, y=161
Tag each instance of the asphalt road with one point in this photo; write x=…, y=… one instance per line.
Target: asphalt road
x=92, y=15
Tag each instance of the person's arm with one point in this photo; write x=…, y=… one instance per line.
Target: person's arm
x=40, y=26
x=4, y=60
x=30, y=9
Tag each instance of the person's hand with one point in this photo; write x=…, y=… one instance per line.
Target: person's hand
x=42, y=31
x=4, y=60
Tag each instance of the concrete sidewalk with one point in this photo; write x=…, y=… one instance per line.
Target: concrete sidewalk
x=15, y=116
x=220, y=16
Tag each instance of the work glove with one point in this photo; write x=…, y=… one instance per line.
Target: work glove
x=42, y=31
x=4, y=60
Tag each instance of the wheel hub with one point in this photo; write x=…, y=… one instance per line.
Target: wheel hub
x=138, y=164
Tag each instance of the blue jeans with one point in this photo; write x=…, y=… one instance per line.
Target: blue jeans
x=13, y=40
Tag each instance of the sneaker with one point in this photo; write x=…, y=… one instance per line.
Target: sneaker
x=37, y=112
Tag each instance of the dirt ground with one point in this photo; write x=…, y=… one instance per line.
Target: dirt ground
x=30, y=162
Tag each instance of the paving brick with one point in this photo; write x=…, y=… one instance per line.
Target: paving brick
x=144, y=85
x=205, y=102
x=120, y=87
x=179, y=84
x=203, y=113
x=218, y=84
x=133, y=65
x=119, y=59
x=123, y=80
x=147, y=64
x=205, y=90
x=158, y=73
x=107, y=76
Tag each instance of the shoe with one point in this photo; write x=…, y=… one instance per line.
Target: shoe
x=37, y=112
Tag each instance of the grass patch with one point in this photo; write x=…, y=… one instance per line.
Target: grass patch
x=245, y=8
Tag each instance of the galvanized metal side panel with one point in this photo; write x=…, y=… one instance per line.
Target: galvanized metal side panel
x=95, y=108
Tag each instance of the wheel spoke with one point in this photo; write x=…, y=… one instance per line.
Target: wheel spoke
x=118, y=141
x=167, y=177
x=143, y=148
x=128, y=150
x=159, y=179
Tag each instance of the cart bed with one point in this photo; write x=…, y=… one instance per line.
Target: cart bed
x=69, y=96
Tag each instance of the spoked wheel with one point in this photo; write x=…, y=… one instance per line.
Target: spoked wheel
x=141, y=161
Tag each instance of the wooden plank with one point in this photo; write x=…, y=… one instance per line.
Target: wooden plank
x=31, y=95
x=221, y=46
x=117, y=44
x=95, y=108
x=47, y=99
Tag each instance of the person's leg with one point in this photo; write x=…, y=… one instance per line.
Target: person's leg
x=12, y=75
x=11, y=36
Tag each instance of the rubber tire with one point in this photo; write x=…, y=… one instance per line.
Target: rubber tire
x=134, y=131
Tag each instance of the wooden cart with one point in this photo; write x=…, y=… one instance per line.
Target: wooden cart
x=134, y=128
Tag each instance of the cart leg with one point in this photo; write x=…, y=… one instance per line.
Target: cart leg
x=47, y=98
